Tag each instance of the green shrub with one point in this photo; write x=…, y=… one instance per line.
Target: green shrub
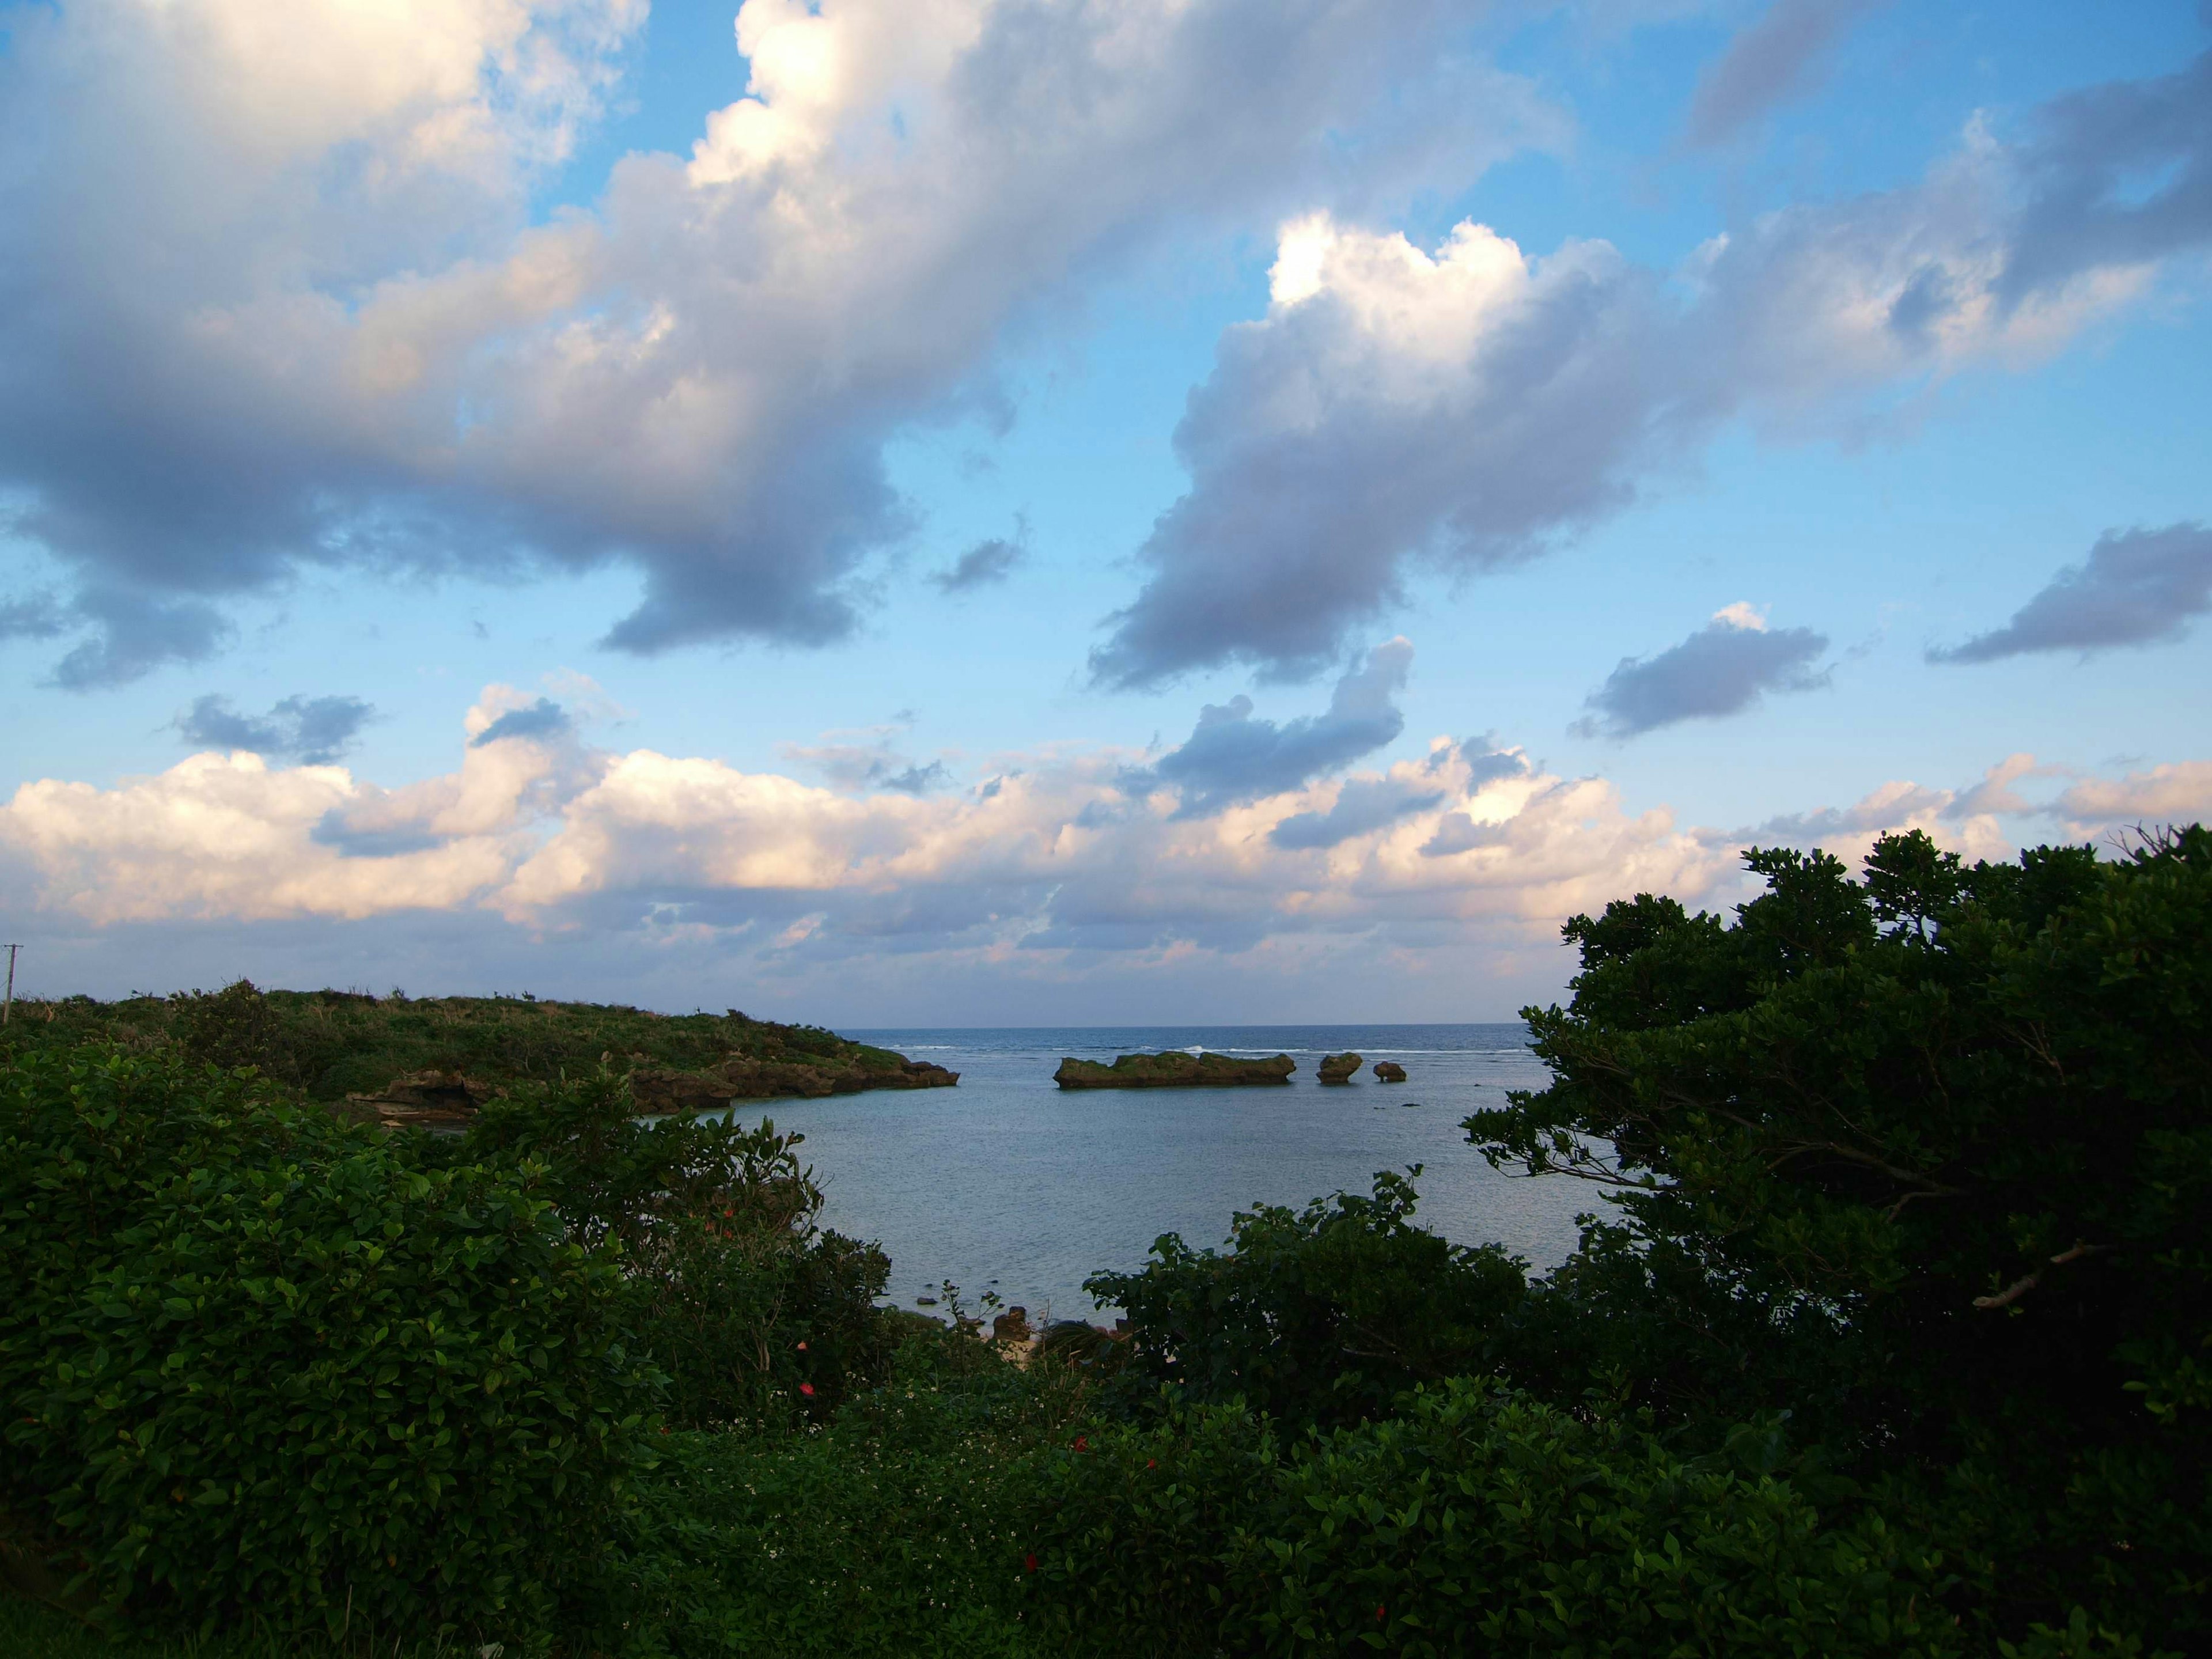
x=895, y=1529
x=1321, y=1315
x=264, y=1369
x=1477, y=1522
x=754, y=1312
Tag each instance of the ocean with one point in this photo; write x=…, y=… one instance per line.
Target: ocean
x=1008, y=1183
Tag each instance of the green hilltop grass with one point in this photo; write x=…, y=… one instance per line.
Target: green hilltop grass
x=329, y=1044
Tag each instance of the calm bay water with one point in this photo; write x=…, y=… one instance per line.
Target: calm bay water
x=1008, y=1183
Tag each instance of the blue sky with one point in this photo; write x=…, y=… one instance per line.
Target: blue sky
x=475, y=517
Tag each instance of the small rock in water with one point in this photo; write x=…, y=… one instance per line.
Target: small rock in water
x=925, y=1302
x=1337, y=1068
x=1389, y=1070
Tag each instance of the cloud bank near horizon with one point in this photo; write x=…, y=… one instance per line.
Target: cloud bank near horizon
x=1042, y=868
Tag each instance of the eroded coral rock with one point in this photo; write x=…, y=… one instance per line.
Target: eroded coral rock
x=1175, y=1069
x=1337, y=1068
x=1389, y=1070
x=422, y=1100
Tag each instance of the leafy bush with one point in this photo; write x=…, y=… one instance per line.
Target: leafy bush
x=1321, y=1315
x=754, y=1312
x=896, y=1528
x=1476, y=1521
x=264, y=1369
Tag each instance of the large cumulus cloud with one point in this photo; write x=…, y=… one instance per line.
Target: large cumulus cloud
x=272, y=293
x=1400, y=408
x=538, y=831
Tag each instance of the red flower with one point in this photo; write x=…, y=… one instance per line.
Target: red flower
x=1082, y=1443
x=1152, y=1462
x=806, y=1389
x=802, y=1348
x=1378, y=1615
x=1028, y=1563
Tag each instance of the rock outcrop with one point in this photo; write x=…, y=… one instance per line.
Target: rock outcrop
x=447, y=1100
x=1337, y=1068
x=422, y=1100
x=1174, y=1070
x=743, y=1078
x=1389, y=1070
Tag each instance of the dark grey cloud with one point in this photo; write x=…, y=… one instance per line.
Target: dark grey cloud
x=916, y=779
x=2137, y=587
x=543, y=719
x=248, y=327
x=1231, y=757
x=1889, y=809
x=134, y=635
x=877, y=763
x=39, y=617
x=1781, y=56
x=1458, y=833
x=313, y=730
x=1723, y=669
x=1395, y=416
x=1362, y=806
x=1486, y=765
x=984, y=564
x=2116, y=175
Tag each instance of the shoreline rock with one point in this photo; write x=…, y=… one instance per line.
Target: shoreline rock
x=422, y=1100
x=1389, y=1070
x=1337, y=1068
x=450, y=1100
x=1174, y=1070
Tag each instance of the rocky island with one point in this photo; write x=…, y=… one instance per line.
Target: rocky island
x=1175, y=1069
x=1337, y=1068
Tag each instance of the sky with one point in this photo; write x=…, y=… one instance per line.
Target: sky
x=1030, y=512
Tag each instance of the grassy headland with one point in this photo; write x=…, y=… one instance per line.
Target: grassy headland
x=329, y=1046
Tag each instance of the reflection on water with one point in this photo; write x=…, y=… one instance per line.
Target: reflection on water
x=1008, y=1182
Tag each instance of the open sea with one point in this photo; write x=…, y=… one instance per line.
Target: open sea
x=1008, y=1183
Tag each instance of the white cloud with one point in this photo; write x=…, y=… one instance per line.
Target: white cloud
x=1440, y=879
x=1398, y=410
x=2179, y=793
x=1049, y=857
x=275, y=295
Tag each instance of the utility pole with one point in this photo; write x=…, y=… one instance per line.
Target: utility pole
x=8, y=1006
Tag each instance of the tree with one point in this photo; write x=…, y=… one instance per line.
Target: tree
x=1927, y=1160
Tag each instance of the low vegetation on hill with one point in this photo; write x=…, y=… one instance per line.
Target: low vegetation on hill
x=328, y=1045
x=1895, y=1338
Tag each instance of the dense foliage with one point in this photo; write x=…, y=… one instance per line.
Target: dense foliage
x=263, y=1367
x=327, y=1044
x=1472, y=1522
x=1926, y=1159
x=1324, y=1315
x=1894, y=1339
x=752, y=1311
